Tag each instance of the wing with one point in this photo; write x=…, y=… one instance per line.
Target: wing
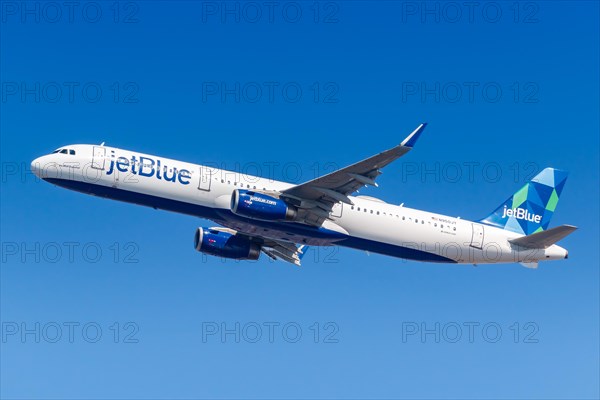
x=317, y=197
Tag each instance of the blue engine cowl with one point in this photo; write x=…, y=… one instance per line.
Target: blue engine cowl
x=261, y=206
x=225, y=244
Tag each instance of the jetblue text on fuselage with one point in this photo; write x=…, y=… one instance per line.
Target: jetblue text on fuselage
x=146, y=166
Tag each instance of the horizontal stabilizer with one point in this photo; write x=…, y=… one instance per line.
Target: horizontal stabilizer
x=544, y=239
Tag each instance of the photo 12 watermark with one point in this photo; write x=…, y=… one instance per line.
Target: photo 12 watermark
x=270, y=92
x=270, y=12
x=70, y=12
x=470, y=92
x=469, y=332
x=70, y=92
x=310, y=254
x=470, y=12
x=468, y=171
x=69, y=332
x=269, y=332
x=69, y=252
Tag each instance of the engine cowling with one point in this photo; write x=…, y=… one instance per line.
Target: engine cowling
x=225, y=244
x=261, y=206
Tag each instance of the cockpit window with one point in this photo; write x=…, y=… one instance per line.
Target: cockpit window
x=64, y=151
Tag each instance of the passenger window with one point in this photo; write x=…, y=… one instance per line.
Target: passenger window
x=371, y=211
x=377, y=212
x=403, y=218
x=358, y=209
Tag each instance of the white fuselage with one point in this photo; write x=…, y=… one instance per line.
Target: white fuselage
x=369, y=224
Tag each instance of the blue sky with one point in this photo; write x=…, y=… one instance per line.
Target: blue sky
x=295, y=90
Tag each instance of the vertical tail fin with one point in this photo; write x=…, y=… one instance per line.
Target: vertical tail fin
x=530, y=209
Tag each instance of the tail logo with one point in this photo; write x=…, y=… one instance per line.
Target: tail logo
x=530, y=209
x=521, y=213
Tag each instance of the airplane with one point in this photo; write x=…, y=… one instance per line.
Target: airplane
x=263, y=216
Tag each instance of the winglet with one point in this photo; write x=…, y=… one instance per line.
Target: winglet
x=413, y=137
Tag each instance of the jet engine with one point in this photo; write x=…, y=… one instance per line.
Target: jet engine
x=261, y=206
x=225, y=244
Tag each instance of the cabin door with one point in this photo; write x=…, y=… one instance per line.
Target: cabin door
x=98, y=155
x=205, y=178
x=477, y=238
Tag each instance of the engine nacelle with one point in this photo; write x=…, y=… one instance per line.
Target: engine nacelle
x=225, y=244
x=261, y=206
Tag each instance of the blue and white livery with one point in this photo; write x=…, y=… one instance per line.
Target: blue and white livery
x=260, y=216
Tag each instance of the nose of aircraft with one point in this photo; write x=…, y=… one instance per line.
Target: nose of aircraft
x=37, y=166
